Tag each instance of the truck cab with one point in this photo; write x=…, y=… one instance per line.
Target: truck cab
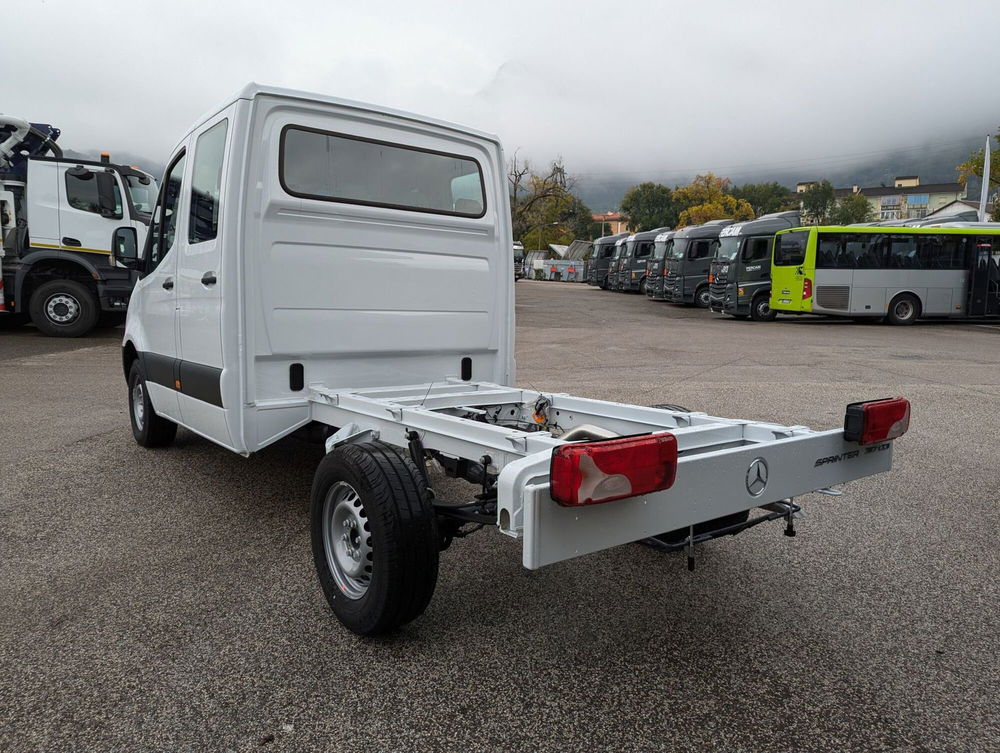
x=662, y=245
x=636, y=261
x=740, y=277
x=57, y=264
x=617, y=258
x=600, y=260
x=689, y=262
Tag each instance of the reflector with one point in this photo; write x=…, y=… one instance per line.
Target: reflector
x=877, y=420
x=588, y=473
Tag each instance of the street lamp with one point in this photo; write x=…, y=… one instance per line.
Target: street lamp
x=541, y=228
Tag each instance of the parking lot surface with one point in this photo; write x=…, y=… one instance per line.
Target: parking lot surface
x=166, y=600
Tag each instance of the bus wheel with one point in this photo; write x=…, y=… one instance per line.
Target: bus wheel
x=760, y=310
x=904, y=309
x=702, y=297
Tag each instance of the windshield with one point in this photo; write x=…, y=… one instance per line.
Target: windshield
x=143, y=195
x=660, y=249
x=679, y=248
x=790, y=248
x=728, y=248
x=617, y=253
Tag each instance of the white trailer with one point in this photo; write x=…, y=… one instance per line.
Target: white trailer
x=320, y=264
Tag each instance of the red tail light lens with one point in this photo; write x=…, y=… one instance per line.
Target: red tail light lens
x=877, y=420
x=807, y=288
x=588, y=473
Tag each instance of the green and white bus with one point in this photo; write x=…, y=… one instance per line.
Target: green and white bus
x=899, y=273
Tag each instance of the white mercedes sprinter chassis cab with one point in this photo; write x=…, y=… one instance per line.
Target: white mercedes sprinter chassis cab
x=319, y=264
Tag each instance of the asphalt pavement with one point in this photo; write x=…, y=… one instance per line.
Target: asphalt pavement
x=166, y=600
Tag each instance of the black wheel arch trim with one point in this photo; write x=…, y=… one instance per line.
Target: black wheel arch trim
x=192, y=379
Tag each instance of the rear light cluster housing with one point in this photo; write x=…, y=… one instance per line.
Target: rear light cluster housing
x=877, y=420
x=589, y=473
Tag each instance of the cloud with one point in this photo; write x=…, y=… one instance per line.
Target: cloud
x=629, y=88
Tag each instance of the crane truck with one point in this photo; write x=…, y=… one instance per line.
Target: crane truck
x=57, y=214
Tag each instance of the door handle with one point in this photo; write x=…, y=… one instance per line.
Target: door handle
x=71, y=242
x=208, y=278
x=168, y=284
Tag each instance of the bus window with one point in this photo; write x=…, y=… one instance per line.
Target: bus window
x=903, y=253
x=790, y=248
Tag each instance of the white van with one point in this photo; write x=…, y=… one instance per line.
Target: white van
x=324, y=263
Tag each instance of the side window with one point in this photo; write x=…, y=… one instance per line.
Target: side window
x=903, y=253
x=645, y=249
x=206, y=183
x=90, y=191
x=164, y=224
x=757, y=249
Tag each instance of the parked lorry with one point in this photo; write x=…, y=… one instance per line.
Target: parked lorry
x=636, y=260
x=740, y=275
x=518, y=261
x=617, y=260
x=311, y=264
x=685, y=279
x=600, y=259
x=662, y=245
x=56, y=217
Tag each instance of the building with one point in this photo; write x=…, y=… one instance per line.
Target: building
x=612, y=223
x=907, y=198
x=956, y=207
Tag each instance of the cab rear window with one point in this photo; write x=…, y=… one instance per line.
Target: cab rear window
x=329, y=166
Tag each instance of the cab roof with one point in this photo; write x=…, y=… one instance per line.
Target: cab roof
x=766, y=224
x=708, y=230
x=648, y=235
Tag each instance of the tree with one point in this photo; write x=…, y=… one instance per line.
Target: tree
x=707, y=198
x=543, y=207
x=765, y=198
x=648, y=206
x=855, y=208
x=973, y=166
x=818, y=201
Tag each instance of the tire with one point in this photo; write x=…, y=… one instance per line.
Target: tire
x=642, y=286
x=63, y=308
x=702, y=297
x=149, y=429
x=671, y=406
x=373, y=495
x=904, y=309
x=604, y=285
x=760, y=309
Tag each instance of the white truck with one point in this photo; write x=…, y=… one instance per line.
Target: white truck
x=57, y=215
x=323, y=264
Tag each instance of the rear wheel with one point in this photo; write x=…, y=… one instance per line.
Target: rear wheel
x=702, y=297
x=904, y=309
x=760, y=309
x=63, y=308
x=149, y=429
x=374, y=537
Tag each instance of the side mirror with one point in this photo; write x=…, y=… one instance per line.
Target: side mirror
x=106, y=185
x=125, y=248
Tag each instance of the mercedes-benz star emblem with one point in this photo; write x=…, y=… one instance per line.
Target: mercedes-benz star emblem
x=757, y=477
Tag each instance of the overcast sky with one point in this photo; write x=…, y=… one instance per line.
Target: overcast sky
x=617, y=88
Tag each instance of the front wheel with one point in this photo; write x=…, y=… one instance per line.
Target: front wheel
x=64, y=308
x=760, y=309
x=904, y=309
x=702, y=297
x=149, y=429
x=642, y=286
x=374, y=536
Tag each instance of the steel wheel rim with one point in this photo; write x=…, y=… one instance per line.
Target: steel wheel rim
x=763, y=308
x=904, y=309
x=62, y=308
x=347, y=540
x=138, y=405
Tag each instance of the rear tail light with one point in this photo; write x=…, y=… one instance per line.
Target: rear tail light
x=877, y=420
x=588, y=473
x=807, y=288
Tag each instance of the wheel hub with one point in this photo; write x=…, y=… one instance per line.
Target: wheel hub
x=347, y=540
x=138, y=405
x=62, y=308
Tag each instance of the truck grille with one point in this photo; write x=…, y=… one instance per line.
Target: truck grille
x=833, y=296
x=718, y=290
